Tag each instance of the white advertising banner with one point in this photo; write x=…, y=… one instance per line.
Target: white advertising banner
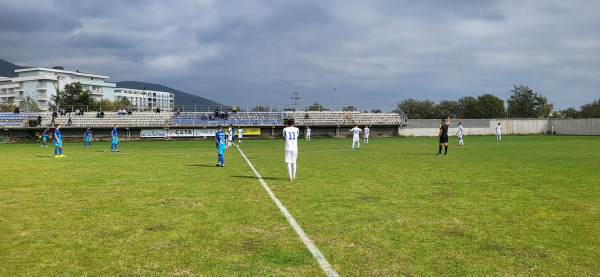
x=181, y=133
x=205, y=132
x=153, y=133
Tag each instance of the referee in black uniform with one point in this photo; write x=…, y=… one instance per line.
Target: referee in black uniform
x=443, y=136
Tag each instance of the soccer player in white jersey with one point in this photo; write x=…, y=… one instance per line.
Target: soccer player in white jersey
x=240, y=131
x=356, y=136
x=290, y=136
x=498, y=132
x=307, y=133
x=367, y=133
x=230, y=136
x=459, y=134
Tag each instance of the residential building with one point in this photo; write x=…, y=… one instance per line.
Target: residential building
x=42, y=83
x=147, y=99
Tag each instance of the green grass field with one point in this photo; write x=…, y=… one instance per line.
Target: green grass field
x=529, y=205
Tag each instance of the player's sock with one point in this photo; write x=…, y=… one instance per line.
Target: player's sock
x=357, y=144
x=112, y=145
x=290, y=170
x=55, y=151
x=60, y=151
x=90, y=145
x=445, y=149
x=440, y=150
x=353, y=144
x=294, y=170
x=116, y=148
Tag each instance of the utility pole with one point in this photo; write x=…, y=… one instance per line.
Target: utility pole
x=295, y=98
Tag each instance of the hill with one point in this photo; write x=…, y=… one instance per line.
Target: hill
x=181, y=98
x=7, y=69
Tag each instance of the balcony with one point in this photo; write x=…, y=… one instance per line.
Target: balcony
x=44, y=88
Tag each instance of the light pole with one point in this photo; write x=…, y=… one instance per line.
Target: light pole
x=333, y=107
x=507, y=105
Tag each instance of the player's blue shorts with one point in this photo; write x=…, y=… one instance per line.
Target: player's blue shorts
x=44, y=138
x=56, y=144
x=87, y=138
x=115, y=141
x=221, y=148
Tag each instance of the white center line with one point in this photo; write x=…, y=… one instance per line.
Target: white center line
x=327, y=268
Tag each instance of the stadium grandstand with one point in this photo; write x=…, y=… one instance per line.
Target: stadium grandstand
x=187, y=119
x=8, y=119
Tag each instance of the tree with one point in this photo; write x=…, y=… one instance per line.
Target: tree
x=376, y=111
x=542, y=107
x=349, y=109
x=524, y=103
x=446, y=108
x=467, y=108
x=316, y=107
x=489, y=106
x=29, y=104
x=122, y=102
x=73, y=95
x=8, y=105
x=568, y=112
x=416, y=109
x=591, y=110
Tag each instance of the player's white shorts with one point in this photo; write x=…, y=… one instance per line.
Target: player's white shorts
x=459, y=136
x=366, y=136
x=290, y=156
x=229, y=138
x=355, y=139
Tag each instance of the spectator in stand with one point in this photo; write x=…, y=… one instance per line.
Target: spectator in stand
x=77, y=112
x=226, y=115
x=69, y=122
x=306, y=116
x=234, y=109
x=54, y=114
x=178, y=111
x=130, y=112
x=102, y=114
x=17, y=110
x=157, y=110
x=81, y=112
x=210, y=117
x=203, y=116
x=39, y=120
x=98, y=115
x=216, y=113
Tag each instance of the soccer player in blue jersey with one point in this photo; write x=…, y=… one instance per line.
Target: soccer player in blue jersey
x=221, y=143
x=57, y=142
x=87, y=137
x=114, y=139
x=45, y=138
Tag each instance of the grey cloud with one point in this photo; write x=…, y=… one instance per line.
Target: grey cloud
x=374, y=52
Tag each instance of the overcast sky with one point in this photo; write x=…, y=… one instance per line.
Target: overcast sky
x=375, y=53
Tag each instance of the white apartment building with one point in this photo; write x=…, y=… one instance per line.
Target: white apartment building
x=145, y=100
x=41, y=83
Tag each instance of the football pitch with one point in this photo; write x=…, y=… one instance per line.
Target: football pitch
x=528, y=205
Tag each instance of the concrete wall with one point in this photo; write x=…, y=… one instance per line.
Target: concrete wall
x=430, y=127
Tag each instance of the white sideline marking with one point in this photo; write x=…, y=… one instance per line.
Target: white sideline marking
x=327, y=268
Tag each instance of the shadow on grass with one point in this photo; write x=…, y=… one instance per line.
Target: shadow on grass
x=44, y=156
x=201, y=165
x=264, y=178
